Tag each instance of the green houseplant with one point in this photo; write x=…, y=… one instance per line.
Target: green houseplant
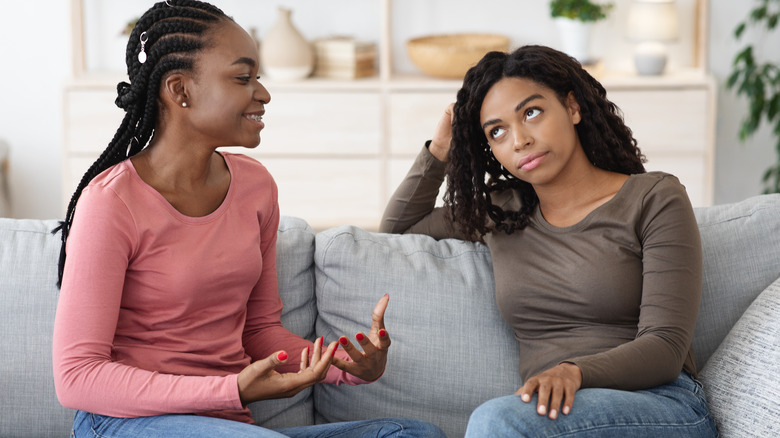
x=759, y=82
x=582, y=10
x=574, y=19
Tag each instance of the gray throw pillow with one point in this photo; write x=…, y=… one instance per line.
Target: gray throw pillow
x=741, y=377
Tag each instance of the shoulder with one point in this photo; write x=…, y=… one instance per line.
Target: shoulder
x=245, y=167
x=113, y=183
x=652, y=187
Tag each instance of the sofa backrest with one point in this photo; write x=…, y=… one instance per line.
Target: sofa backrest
x=28, y=298
x=741, y=248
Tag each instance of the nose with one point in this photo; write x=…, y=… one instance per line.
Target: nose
x=522, y=139
x=261, y=94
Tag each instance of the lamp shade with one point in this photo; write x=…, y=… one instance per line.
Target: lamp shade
x=653, y=20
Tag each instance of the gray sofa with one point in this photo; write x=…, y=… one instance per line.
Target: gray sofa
x=451, y=349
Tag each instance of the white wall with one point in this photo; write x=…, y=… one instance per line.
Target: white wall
x=36, y=63
x=738, y=167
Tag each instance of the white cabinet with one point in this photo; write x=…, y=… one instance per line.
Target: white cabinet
x=338, y=149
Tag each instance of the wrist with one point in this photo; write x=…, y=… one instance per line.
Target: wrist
x=438, y=151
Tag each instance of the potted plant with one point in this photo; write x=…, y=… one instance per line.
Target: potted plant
x=574, y=19
x=759, y=82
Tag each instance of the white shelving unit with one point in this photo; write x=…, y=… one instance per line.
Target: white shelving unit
x=338, y=149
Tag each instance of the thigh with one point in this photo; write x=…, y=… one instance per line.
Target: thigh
x=677, y=409
x=380, y=428
x=168, y=426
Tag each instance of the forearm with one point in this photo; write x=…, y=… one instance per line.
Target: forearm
x=412, y=208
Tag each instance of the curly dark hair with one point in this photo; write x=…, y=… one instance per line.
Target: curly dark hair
x=473, y=173
x=176, y=32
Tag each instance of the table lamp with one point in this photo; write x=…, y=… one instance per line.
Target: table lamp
x=652, y=24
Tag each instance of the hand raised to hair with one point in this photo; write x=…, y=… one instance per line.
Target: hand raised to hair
x=259, y=381
x=440, y=143
x=370, y=363
x=554, y=386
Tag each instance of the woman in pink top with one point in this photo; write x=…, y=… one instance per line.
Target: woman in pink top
x=169, y=303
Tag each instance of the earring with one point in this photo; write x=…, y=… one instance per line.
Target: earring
x=142, y=54
x=184, y=104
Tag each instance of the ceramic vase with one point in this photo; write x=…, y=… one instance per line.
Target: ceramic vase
x=575, y=39
x=285, y=54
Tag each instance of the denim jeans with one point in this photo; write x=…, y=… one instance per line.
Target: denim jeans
x=677, y=409
x=90, y=425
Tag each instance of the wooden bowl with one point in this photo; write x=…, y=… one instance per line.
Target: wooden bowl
x=450, y=56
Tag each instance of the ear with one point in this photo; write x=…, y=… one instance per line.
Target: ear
x=573, y=107
x=174, y=89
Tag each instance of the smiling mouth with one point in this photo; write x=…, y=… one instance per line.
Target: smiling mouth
x=255, y=117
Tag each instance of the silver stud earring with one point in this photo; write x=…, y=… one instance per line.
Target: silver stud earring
x=142, y=54
x=184, y=104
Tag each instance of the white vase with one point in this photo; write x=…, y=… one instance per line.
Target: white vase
x=285, y=54
x=575, y=39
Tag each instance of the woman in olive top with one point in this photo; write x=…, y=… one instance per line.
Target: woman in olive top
x=597, y=263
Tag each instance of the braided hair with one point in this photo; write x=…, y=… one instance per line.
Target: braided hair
x=473, y=173
x=175, y=33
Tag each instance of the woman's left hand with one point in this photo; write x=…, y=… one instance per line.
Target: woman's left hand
x=554, y=386
x=368, y=364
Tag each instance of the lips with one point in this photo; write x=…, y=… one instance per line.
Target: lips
x=531, y=161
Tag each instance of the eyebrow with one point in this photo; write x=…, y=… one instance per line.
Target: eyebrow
x=245, y=60
x=517, y=108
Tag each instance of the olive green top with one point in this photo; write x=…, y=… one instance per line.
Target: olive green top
x=616, y=294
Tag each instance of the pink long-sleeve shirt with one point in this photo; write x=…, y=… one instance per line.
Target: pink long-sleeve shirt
x=159, y=311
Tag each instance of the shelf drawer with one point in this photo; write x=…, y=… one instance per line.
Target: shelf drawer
x=672, y=120
x=412, y=118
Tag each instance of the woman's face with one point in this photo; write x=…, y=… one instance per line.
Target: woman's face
x=530, y=132
x=225, y=101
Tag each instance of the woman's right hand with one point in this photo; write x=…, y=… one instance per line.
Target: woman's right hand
x=440, y=143
x=259, y=381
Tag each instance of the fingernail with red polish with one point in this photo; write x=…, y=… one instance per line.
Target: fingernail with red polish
x=282, y=356
x=382, y=333
x=343, y=340
x=322, y=340
x=334, y=352
x=359, y=337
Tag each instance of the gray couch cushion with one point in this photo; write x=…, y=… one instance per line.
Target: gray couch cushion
x=28, y=298
x=741, y=377
x=294, y=266
x=741, y=247
x=451, y=350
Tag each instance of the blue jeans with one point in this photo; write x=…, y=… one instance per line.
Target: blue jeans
x=677, y=409
x=193, y=426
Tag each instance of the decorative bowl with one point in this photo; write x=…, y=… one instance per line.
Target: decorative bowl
x=450, y=56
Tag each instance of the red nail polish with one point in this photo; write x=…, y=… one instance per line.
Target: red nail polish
x=334, y=352
x=359, y=337
x=322, y=340
x=382, y=333
x=282, y=356
x=343, y=340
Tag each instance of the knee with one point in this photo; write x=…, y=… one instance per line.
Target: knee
x=491, y=418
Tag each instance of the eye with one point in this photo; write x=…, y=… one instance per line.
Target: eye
x=495, y=133
x=532, y=113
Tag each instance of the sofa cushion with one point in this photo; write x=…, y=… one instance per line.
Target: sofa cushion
x=28, y=299
x=451, y=350
x=741, y=376
x=295, y=268
x=741, y=248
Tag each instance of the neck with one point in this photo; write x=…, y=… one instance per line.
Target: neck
x=178, y=164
